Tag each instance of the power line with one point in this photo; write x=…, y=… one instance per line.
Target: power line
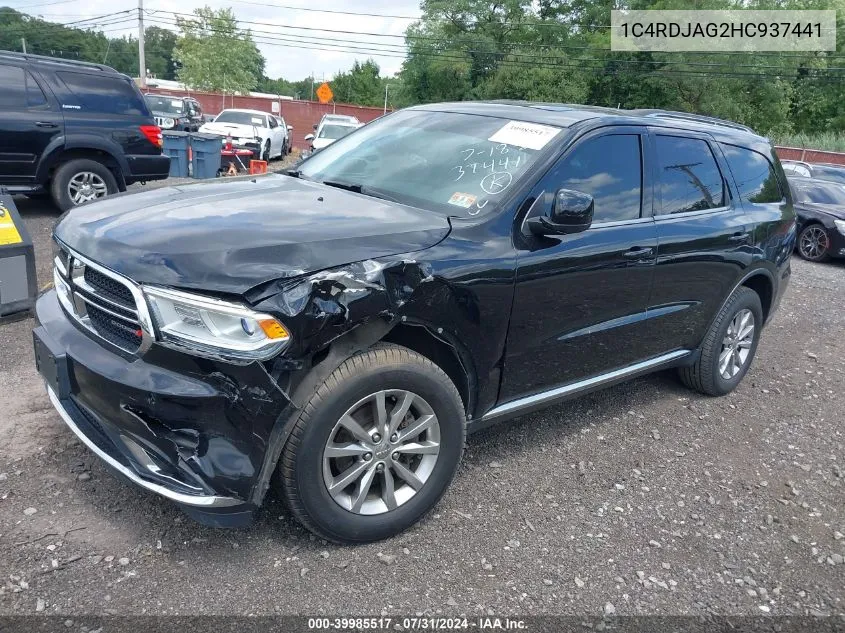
x=399, y=51
x=335, y=12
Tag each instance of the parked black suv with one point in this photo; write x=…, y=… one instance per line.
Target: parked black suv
x=335, y=332
x=78, y=131
x=183, y=114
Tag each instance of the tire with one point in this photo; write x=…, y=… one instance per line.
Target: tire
x=102, y=181
x=304, y=472
x=814, y=243
x=265, y=153
x=706, y=374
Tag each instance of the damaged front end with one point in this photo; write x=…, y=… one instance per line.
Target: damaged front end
x=207, y=432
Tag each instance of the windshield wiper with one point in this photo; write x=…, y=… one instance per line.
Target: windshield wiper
x=356, y=187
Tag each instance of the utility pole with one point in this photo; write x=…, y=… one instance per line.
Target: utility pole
x=385, y=96
x=23, y=43
x=312, y=85
x=142, y=62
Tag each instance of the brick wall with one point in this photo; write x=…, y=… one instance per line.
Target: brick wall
x=302, y=115
x=810, y=155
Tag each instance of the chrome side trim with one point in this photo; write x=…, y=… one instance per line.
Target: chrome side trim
x=205, y=501
x=537, y=400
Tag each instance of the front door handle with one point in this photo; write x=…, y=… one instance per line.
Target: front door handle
x=638, y=252
x=45, y=124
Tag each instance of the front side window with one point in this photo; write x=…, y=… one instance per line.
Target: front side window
x=13, y=93
x=688, y=178
x=111, y=95
x=754, y=174
x=609, y=168
x=34, y=95
x=454, y=163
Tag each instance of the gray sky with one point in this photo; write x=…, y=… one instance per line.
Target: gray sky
x=285, y=58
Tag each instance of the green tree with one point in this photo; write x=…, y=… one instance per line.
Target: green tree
x=214, y=54
x=361, y=85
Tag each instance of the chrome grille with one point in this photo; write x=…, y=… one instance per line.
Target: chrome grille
x=104, y=302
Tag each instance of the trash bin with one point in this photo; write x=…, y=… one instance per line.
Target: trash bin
x=205, y=159
x=175, y=145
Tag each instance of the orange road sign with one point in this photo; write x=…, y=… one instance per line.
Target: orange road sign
x=324, y=93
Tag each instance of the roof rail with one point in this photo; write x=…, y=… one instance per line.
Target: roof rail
x=669, y=114
x=53, y=60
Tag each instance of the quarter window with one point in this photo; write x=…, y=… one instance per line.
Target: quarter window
x=34, y=95
x=754, y=174
x=609, y=168
x=688, y=178
x=111, y=95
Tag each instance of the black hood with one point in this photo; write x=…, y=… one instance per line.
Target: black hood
x=230, y=236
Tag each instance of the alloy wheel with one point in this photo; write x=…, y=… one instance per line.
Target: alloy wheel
x=86, y=186
x=814, y=242
x=381, y=452
x=736, y=346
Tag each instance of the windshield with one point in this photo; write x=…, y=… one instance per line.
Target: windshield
x=241, y=118
x=458, y=164
x=818, y=192
x=165, y=104
x=335, y=131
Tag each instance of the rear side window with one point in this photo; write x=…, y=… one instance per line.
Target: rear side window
x=609, y=168
x=754, y=174
x=13, y=92
x=111, y=95
x=688, y=178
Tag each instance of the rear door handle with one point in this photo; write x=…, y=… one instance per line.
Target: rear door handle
x=740, y=236
x=45, y=124
x=638, y=252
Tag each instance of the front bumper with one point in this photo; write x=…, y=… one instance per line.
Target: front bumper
x=196, y=431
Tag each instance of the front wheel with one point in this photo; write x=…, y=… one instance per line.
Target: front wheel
x=375, y=448
x=728, y=347
x=265, y=154
x=814, y=243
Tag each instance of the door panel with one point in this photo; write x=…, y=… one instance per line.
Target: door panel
x=700, y=250
x=29, y=122
x=579, y=308
x=580, y=300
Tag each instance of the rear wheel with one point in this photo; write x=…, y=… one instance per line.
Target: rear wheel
x=375, y=448
x=79, y=181
x=729, y=347
x=814, y=243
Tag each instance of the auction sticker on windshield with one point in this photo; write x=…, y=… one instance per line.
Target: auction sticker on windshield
x=522, y=134
x=464, y=200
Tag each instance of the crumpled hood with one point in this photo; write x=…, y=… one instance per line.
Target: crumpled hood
x=232, y=129
x=230, y=236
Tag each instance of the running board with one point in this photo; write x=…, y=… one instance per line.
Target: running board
x=545, y=398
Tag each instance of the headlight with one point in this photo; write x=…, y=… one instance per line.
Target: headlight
x=211, y=327
x=167, y=122
x=840, y=226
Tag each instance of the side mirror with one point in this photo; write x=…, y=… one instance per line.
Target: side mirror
x=290, y=128
x=309, y=137
x=315, y=127
x=572, y=212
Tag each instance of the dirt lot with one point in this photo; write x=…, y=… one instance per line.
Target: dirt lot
x=641, y=499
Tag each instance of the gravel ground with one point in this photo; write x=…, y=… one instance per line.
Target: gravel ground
x=640, y=499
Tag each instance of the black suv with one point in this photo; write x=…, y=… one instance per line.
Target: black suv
x=336, y=331
x=78, y=131
x=183, y=114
